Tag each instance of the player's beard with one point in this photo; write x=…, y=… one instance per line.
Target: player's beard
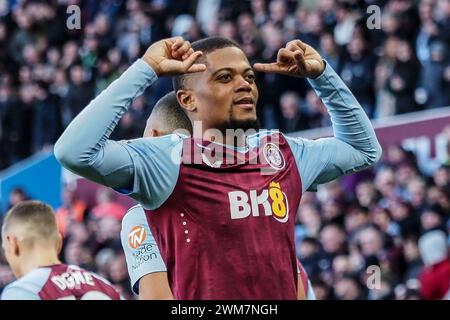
x=235, y=124
x=252, y=124
x=235, y=131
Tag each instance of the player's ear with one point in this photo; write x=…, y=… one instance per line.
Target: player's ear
x=186, y=100
x=59, y=243
x=154, y=133
x=147, y=132
x=148, y=127
x=13, y=244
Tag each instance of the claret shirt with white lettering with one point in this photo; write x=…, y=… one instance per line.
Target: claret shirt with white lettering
x=60, y=282
x=224, y=230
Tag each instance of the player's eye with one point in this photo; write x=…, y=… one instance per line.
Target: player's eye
x=224, y=77
x=250, y=77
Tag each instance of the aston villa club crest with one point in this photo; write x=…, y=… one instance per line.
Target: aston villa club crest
x=273, y=156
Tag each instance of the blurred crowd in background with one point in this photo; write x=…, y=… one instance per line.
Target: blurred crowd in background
x=392, y=217
x=49, y=73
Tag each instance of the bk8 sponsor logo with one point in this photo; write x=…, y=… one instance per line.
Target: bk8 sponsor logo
x=273, y=201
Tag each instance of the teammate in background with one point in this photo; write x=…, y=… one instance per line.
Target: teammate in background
x=147, y=271
x=167, y=117
x=207, y=216
x=146, y=268
x=31, y=243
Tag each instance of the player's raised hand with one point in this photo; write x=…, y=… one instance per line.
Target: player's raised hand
x=296, y=59
x=173, y=56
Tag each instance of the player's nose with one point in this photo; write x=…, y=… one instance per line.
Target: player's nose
x=243, y=84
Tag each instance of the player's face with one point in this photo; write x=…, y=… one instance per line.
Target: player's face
x=226, y=92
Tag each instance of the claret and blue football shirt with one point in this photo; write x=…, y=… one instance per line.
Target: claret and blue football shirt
x=224, y=228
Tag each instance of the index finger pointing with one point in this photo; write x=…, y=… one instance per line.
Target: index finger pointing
x=266, y=67
x=190, y=66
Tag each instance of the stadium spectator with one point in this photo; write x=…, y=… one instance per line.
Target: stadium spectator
x=357, y=72
x=294, y=118
x=80, y=91
x=443, y=7
x=434, y=80
x=16, y=196
x=348, y=288
x=403, y=80
x=107, y=206
x=428, y=30
x=72, y=210
x=413, y=260
x=434, y=277
x=385, y=102
x=345, y=23
x=330, y=51
x=47, y=126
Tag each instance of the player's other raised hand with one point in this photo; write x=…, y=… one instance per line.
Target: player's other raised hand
x=296, y=59
x=173, y=56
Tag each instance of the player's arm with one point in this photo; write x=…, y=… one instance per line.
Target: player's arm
x=147, y=271
x=84, y=147
x=354, y=146
x=14, y=292
x=302, y=282
x=301, y=294
x=155, y=286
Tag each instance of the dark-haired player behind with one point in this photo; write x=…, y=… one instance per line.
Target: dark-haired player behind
x=147, y=271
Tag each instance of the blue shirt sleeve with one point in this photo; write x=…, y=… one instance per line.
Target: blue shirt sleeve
x=354, y=146
x=141, y=251
x=146, y=169
x=155, y=167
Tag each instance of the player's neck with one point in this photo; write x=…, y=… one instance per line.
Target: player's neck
x=39, y=258
x=232, y=140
